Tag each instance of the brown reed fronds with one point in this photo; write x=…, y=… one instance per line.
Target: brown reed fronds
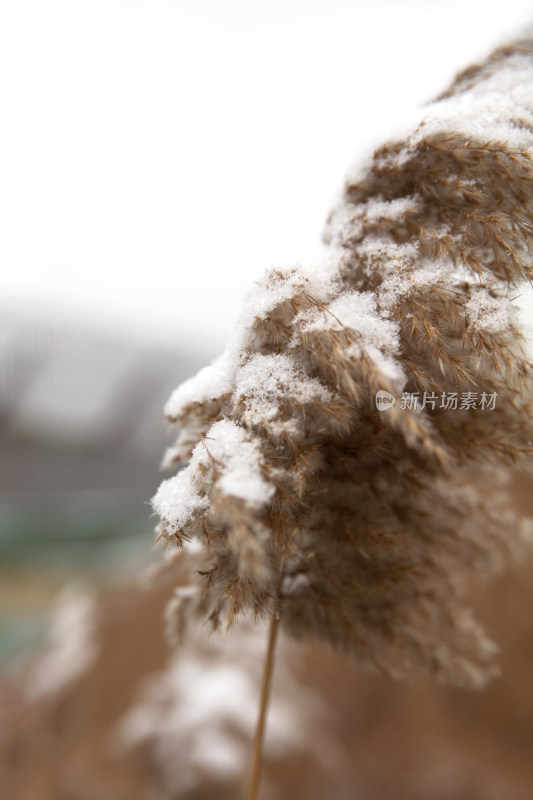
x=375, y=513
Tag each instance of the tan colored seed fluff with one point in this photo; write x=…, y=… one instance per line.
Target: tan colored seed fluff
x=361, y=522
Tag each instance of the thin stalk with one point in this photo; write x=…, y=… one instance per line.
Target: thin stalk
x=257, y=752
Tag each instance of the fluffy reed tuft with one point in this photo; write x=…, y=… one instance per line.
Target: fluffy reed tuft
x=362, y=523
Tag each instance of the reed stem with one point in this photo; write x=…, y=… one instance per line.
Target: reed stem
x=257, y=753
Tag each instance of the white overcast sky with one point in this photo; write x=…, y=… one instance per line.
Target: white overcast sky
x=156, y=155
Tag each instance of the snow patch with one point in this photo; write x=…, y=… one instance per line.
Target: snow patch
x=358, y=312
x=265, y=379
x=235, y=454
x=70, y=646
x=493, y=315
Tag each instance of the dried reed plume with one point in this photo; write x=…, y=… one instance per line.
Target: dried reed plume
x=353, y=524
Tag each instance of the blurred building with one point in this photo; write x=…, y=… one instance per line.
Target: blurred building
x=82, y=432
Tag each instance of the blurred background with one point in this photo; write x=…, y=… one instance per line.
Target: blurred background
x=156, y=156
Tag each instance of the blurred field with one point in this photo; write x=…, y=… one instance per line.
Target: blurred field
x=410, y=741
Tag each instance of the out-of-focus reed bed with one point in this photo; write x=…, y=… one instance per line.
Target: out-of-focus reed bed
x=367, y=737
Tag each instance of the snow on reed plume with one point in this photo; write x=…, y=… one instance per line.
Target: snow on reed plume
x=70, y=644
x=363, y=523
x=194, y=720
